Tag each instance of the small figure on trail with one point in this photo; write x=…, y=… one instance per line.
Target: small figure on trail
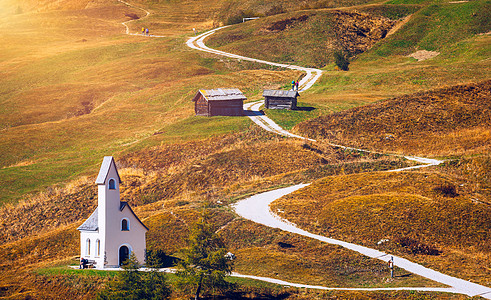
x=146, y=31
x=391, y=266
x=143, y=30
x=296, y=85
x=194, y=30
x=293, y=85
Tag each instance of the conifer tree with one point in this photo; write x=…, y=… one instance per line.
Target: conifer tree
x=131, y=283
x=205, y=264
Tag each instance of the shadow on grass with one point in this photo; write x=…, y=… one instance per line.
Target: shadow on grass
x=250, y=113
x=305, y=108
x=403, y=275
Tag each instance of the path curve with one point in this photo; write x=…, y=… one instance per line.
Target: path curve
x=298, y=285
x=256, y=209
x=252, y=109
x=312, y=74
x=125, y=24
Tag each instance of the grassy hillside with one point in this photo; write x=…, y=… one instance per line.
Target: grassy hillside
x=74, y=88
x=451, y=121
x=75, y=93
x=427, y=217
x=458, y=31
x=303, y=38
x=232, y=12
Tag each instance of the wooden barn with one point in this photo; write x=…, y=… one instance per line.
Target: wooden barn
x=279, y=99
x=219, y=102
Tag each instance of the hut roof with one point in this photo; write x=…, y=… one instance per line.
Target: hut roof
x=280, y=93
x=221, y=95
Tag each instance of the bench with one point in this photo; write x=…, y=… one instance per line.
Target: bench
x=88, y=264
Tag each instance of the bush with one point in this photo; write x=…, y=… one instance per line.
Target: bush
x=341, y=60
x=238, y=17
x=415, y=247
x=275, y=10
x=132, y=283
x=132, y=16
x=447, y=190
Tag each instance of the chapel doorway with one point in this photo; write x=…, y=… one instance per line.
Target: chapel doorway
x=124, y=254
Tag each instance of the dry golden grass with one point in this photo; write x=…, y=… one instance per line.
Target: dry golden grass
x=419, y=213
x=78, y=85
x=320, y=33
x=268, y=252
x=73, y=88
x=450, y=121
x=474, y=171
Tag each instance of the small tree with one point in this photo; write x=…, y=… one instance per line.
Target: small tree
x=205, y=264
x=132, y=283
x=341, y=60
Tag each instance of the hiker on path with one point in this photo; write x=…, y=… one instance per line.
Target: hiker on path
x=296, y=85
x=146, y=31
x=293, y=85
x=143, y=30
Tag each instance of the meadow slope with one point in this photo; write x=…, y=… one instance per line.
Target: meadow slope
x=74, y=87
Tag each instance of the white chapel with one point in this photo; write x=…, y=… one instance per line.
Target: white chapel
x=113, y=231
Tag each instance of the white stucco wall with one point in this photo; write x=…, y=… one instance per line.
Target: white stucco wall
x=110, y=218
x=134, y=238
x=93, y=236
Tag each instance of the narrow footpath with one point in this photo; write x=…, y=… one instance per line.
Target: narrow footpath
x=256, y=208
x=252, y=109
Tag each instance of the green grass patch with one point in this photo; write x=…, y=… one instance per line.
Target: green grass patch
x=289, y=118
x=393, y=12
x=438, y=26
x=67, y=270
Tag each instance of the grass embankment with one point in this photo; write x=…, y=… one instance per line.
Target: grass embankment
x=455, y=30
x=77, y=92
x=268, y=252
x=233, y=12
x=166, y=185
x=451, y=121
x=306, y=38
x=427, y=217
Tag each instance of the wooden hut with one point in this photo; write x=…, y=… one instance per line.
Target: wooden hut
x=280, y=99
x=219, y=102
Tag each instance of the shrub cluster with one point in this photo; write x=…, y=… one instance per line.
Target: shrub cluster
x=341, y=60
x=415, y=247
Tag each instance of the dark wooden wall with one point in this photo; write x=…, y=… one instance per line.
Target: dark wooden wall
x=201, y=106
x=226, y=108
x=280, y=103
x=218, y=108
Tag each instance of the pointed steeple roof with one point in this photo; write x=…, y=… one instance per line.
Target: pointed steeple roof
x=105, y=167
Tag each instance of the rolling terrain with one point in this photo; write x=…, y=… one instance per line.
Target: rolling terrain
x=74, y=88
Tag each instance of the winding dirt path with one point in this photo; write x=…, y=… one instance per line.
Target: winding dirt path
x=252, y=109
x=312, y=76
x=256, y=208
x=125, y=24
